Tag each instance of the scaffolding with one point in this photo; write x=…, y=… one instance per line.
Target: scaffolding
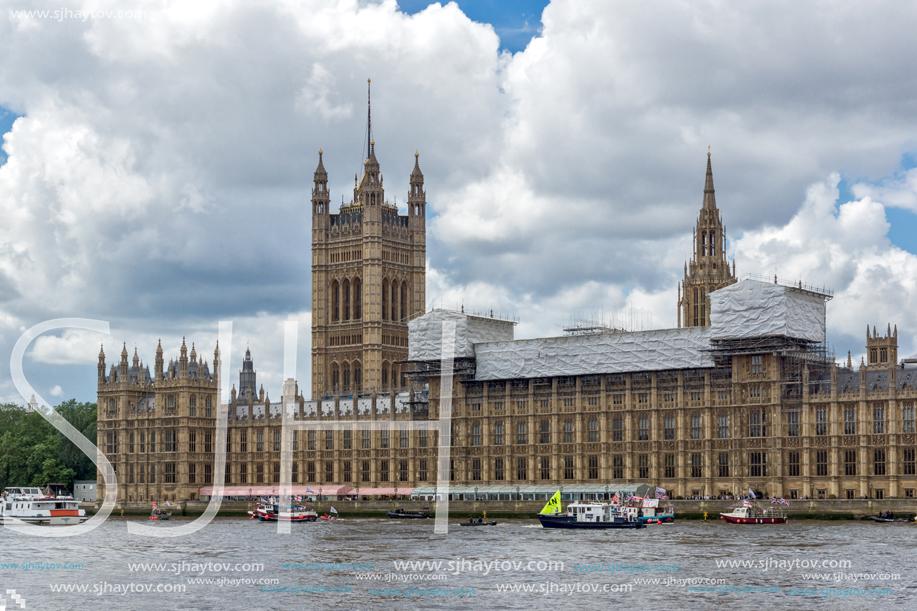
x=795, y=357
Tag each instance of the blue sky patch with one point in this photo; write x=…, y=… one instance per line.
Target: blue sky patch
x=6, y=124
x=515, y=21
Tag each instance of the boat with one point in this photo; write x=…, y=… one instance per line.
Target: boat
x=31, y=506
x=751, y=513
x=160, y=514
x=273, y=512
x=327, y=517
x=478, y=522
x=888, y=516
x=592, y=516
x=648, y=511
x=401, y=514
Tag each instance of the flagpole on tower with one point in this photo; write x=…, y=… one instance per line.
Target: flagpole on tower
x=369, y=119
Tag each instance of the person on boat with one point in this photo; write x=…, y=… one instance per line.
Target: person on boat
x=480, y=520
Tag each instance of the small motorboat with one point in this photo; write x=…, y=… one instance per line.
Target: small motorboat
x=888, y=516
x=159, y=514
x=401, y=514
x=327, y=517
x=478, y=522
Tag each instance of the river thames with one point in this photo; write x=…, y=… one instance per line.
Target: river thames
x=235, y=563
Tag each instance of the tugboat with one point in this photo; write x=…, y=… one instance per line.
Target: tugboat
x=751, y=513
x=594, y=516
x=272, y=512
x=31, y=506
x=401, y=514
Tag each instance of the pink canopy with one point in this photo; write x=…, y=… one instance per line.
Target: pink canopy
x=274, y=490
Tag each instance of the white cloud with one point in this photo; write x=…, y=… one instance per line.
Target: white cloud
x=160, y=174
x=842, y=246
x=56, y=391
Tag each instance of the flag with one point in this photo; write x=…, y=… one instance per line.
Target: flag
x=168, y=504
x=615, y=499
x=333, y=510
x=660, y=494
x=774, y=500
x=154, y=503
x=784, y=502
x=553, y=505
x=751, y=493
x=747, y=503
x=310, y=490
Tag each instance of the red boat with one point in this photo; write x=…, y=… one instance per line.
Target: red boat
x=274, y=512
x=752, y=514
x=327, y=517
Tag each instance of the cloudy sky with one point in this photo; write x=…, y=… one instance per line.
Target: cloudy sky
x=156, y=166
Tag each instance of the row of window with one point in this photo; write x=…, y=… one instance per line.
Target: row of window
x=170, y=406
x=757, y=467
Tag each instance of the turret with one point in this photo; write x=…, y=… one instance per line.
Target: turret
x=123, y=366
x=101, y=365
x=160, y=363
x=321, y=199
x=417, y=197
x=183, y=361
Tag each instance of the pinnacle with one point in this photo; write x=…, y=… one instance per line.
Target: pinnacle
x=709, y=195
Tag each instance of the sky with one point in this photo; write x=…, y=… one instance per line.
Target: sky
x=157, y=164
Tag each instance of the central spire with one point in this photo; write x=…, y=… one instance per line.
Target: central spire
x=709, y=195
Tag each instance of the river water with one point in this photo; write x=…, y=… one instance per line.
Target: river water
x=235, y=563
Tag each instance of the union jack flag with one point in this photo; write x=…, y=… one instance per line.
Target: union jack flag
x=784, y=502
x=661, y=495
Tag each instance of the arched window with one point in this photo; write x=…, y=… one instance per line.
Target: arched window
x=357, y=376
x=345, y=290
x=404, y=301
x=712, y=243
x=345, y=370
x=394, y=301
x=385, y=300
x=704, y=243
x=335, y=301
x=335, y=376
x=394, y=377
x=357, y=290
x=384, y=375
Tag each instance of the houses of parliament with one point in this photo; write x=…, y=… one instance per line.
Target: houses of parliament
x=725, y=402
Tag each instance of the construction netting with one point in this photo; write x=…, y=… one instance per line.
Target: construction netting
x=426, y=334
x=591, y=354
x=751, y=308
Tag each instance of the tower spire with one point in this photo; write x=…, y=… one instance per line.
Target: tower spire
x=709, y=195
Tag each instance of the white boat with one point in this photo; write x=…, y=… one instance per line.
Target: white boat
x=31, y=506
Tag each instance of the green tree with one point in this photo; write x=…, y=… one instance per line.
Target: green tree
x=34, y=453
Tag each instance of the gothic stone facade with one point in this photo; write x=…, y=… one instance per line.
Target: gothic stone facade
x=368, y=280
x=694, y=431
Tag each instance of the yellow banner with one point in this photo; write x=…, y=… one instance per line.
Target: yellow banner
x=553, y=505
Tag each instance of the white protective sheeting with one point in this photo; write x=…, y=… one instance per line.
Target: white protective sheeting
x=593, y=354
x=752, y=308
x=425, y=334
